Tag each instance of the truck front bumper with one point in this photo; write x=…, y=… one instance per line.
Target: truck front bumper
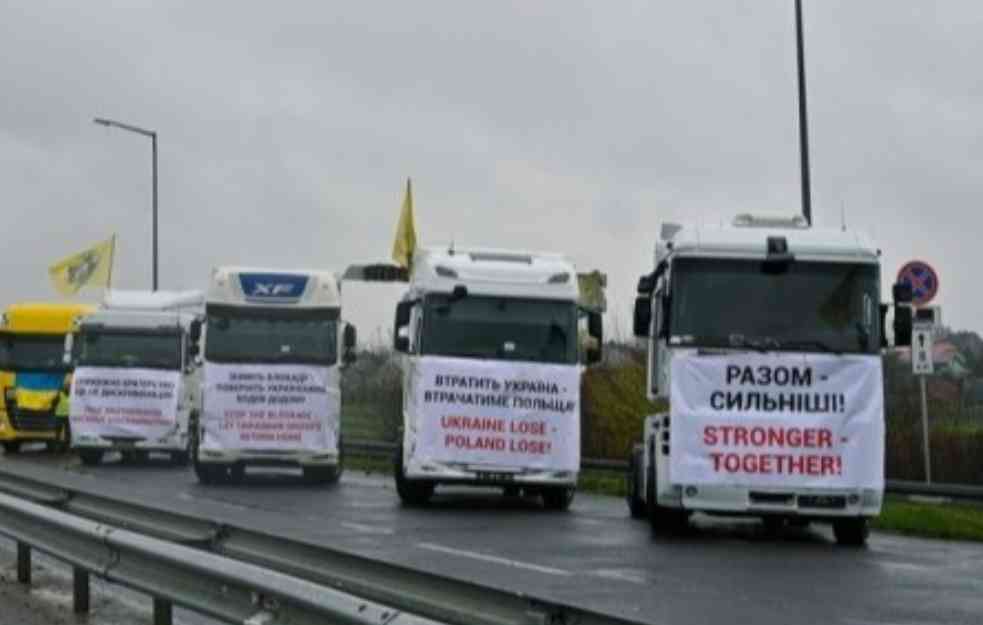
x=803, y=502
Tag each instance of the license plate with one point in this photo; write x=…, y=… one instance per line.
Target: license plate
x=485, y=476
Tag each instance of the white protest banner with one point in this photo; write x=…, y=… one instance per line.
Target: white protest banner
x=278, y=407
x=125, y=403
x=497, y=413
x=789, y=420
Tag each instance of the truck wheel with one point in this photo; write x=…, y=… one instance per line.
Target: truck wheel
x=321, y=475
x=90, y=457
x=181, y=458
x=636, y=507
x=558, y=497
x=11, y=447
x=851, y=532
x=662, y=519
x=206, y=473
x=62, y=440
x=411, y=492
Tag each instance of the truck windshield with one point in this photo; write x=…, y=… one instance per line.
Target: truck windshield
x=804, y=306
x=268, y=335
x=152, y=350
x=32, y=352
x=534, y=330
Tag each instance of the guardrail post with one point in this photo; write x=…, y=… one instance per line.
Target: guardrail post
x=23, y=563
x=163, y=612
x=80, y=590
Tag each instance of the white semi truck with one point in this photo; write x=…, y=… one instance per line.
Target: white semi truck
x=765, y=337
x=274, y=343
x=136, y=382
x=491, y=373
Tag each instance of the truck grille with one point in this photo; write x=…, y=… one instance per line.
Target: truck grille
x=32, y=420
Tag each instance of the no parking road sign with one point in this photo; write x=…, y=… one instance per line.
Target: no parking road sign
x=922, y=279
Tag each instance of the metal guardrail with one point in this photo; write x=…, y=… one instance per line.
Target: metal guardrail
x=896, y=487
x=236, y=573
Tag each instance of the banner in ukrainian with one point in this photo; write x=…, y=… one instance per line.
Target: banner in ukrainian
x=125, y=403
x=777, y=420
x=277, y=407
x=497, y=413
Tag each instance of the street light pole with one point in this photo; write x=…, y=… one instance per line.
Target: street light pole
x=803, y=120
x=109, y=123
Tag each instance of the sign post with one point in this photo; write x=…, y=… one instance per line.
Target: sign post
x=922, y=365
x=924, y=282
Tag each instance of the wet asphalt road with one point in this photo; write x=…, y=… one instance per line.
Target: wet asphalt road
x=593, y=556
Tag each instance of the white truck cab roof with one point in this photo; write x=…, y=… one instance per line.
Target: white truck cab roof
x=259, y=286
x=748, y=235
x=493, y=272
x=146, y=310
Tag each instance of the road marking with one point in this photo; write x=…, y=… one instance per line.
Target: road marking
x=367, y=529
x=623, y=575
x=494, y=559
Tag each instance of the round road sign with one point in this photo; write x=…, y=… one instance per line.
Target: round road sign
x=923, y=280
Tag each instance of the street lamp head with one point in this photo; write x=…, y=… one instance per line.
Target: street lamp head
x=102, y=122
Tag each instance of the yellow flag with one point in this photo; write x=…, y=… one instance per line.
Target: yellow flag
x=405, y=243
x=93, y=266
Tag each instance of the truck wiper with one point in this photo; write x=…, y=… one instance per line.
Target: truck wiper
x=814, y=343
x=759, y=345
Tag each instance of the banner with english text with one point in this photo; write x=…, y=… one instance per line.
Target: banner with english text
x=497, y=413
x=783, y=420
x=124, y=403
x=271, y=407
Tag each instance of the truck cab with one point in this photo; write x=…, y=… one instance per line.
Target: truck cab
x=274, y=343
x=765, y=338
x=35, y=373
x=136, y=382
x=491, y=373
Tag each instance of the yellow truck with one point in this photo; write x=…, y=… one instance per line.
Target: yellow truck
x=35, y=373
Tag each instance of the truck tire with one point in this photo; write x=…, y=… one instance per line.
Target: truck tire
x=636, y=507
x=90, y=457
x=63, y=439
x=411, y=492
x=321, y=475
x=852, y=532
x=11, y=447
x=558, y=498
x=662, y=519
x=180, y=458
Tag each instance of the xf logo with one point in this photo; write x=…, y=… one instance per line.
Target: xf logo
x=272, y=289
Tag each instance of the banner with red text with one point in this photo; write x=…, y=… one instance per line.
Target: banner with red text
x=124, y=403
x=790, y=420
x=274, y=407
x=497, y=413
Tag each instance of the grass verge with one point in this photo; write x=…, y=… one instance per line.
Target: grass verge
x=950, y=521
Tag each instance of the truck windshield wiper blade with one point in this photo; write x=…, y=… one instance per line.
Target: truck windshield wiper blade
x=761, y=345
x=814, y=343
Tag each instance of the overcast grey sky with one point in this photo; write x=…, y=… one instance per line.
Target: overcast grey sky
x=287, y=131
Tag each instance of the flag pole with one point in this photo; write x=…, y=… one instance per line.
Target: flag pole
x=112, y=259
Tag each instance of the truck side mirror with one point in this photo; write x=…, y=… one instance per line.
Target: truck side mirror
x=643, y=316
x=665, y=317
x=595, y=329
x=902, y=325
x=66, y=357
x=883, y=310
x=902, y=314
x=349, y=339
x=401, y=341
x=194, y=330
